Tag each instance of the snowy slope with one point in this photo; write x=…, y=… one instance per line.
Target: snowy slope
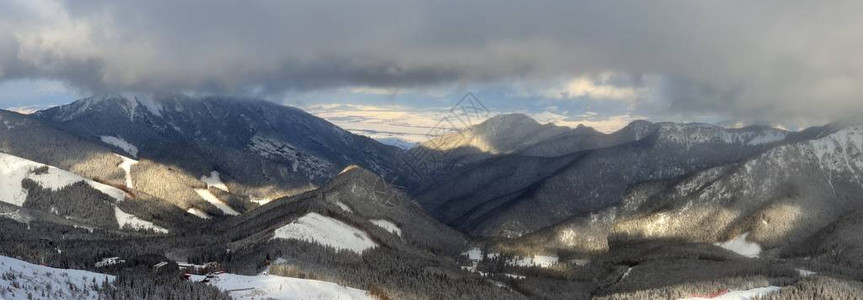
x=14, y=169
x=198, y=213
x=214, y=181
x=784, y=194
x=209, y=197
x=741, y=246
x=277, y=287
x=344, y=207
x=327, y=231
x=36, y=279
x=126, y=165
x=388, y=226
x=120, y=143
x=125, y=220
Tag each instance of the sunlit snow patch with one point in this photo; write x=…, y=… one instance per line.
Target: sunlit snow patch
x=56, y=283
x=198, y=213
x=214, y=181
x=389, y=226
x=344, y=207
x=120, y=143
x=278, y=287
x=327, y=231
x=740, y=246
x=125, y=220
x=209, y=197
x=126, y=165
x=261, y=201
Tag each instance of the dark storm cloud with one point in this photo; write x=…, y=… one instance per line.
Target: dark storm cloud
x=772, y=59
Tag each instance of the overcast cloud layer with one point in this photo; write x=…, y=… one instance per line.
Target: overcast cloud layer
x=767, y=60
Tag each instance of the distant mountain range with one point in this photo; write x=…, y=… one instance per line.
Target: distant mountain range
x=241, y=181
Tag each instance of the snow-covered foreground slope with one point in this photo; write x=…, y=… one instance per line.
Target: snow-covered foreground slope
x=278, y=287
x=14, y=169
x=20, y=278
x=314, y=227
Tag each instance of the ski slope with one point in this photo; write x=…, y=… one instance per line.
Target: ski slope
x=125, y=220
x=741, y=246
x=120, y=143
x=221, y=205
x=14, y=169
x=35, y=279
x=388, y=226
x=327, y=231
x=214, y=181
x=278, y=287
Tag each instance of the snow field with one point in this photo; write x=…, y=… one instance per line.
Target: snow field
x=55, y=283
x=388, y=226
x=327, y=231
x=278, y=287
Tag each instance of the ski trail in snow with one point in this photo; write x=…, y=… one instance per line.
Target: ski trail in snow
x=126, y=165
x=209, y=197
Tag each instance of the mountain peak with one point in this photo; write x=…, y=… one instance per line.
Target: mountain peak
x=513, y=118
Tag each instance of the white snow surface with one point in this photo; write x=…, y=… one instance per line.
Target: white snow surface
x=327, y=231
x=345, y=207
x=740, y=246
x=214, y=181
x=209, y=197
x=120, y=143
x=474, y=254
x=743, y=295
x=14, y=169
x=126, y=165
x=35, y=279
x=543, y=261
x=198, y=213
x=124, y=219
x=389, y=226
x=278, y=287
x=261, y=201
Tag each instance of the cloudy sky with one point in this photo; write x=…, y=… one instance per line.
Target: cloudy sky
x=594, y=62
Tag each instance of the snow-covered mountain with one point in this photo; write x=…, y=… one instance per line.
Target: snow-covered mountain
x=262, y=150
x=354, y=205
x=801, y=197
x=521, y=192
